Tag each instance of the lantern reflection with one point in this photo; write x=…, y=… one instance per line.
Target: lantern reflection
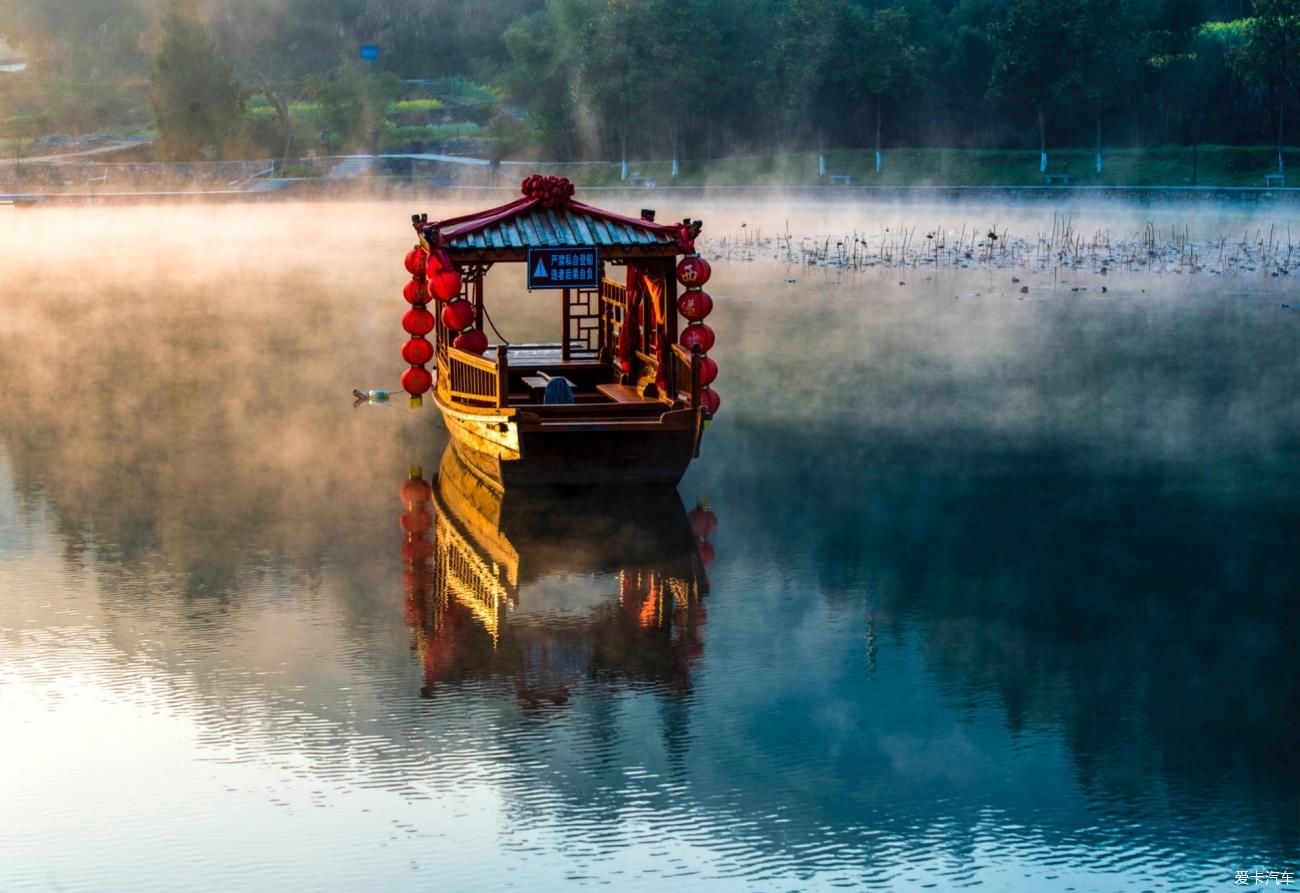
x=552, y=592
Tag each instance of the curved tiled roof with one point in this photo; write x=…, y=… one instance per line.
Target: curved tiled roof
x=508, y=231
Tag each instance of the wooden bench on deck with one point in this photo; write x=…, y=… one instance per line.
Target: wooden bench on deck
x=621, y=393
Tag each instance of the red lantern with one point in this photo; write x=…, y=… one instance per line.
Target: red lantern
x=693, y=271
x=417, y=522
x=416, y=292
x=416, y=381
x=417, y=551
x=473, y=341
x=695, y=305
x=417, y=351
x=706, y=553
x=458, y=315
x=703, y=522
x=699, y=334
x=416, y=260
x=710, y=400
x=439, y=260
x=416, y=491
x=418, y=321
x=444, y=284
x=708, y=371
x=414, y=582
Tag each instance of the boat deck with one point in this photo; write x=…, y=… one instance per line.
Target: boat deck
x=594, y=382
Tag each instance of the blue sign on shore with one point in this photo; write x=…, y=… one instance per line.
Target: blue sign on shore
x=369, y=52
x=563, y=268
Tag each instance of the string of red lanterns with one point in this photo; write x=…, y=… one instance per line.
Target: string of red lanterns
x=696, y=304
x=458, y=314
x=417, y=550
x=417, y=322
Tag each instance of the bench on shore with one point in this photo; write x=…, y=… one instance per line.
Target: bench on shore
x=840, y=180
x=1274, y=181
x=1063, y=179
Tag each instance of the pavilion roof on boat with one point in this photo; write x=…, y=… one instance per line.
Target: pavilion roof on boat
x=547, y=216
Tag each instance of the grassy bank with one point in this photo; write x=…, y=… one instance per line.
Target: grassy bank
x=1161, y=166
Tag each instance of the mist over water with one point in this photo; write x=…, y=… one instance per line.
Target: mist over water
x=1005, y=584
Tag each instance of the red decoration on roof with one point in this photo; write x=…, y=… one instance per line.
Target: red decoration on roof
x=549, y=192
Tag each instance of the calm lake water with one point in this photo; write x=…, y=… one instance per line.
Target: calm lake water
x=999, y=589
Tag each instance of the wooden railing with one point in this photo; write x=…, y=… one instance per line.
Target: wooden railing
x=685, y=373
x=468, y=379
x=613, y=304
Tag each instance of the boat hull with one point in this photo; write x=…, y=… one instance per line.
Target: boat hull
x=524, y=449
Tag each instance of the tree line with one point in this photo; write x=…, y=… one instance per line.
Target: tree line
x=704, y=78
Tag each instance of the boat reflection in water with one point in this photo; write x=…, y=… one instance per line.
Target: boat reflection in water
x=552, y=591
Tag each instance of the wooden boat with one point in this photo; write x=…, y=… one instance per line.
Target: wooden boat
x=551, y=592
x=640, y=400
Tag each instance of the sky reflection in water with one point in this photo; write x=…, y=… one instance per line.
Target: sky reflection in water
x=1002, y=588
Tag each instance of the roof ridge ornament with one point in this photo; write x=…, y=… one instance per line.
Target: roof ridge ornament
x=548, y=191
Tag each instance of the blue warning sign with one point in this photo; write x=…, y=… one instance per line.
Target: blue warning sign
x=563, y=268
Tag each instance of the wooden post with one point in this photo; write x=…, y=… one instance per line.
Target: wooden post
x=503, y=376
x=600, y=312
x=478, y=301
x=695, y=376
x=670, y=298
x=564, y=336
x=670, y=326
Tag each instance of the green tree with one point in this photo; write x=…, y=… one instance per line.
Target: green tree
x=1030, y=66
x=78, y=39
x=1199, y=78
x=1270, y=56
x=1064, y=51
x=538, y=76
x=353, y=103
x=1108, y=48
x=197, y=105
x=890, y=60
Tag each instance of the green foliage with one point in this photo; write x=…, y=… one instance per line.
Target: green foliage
x=73, y=38
x=1270, y=51
x=352, y=104
x=401, y=135
x=665, y=78
x=299, y=171
x=1270, y=55
x=415, y=107
x=197, y=104
x=511, y=137
x=456, y=89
